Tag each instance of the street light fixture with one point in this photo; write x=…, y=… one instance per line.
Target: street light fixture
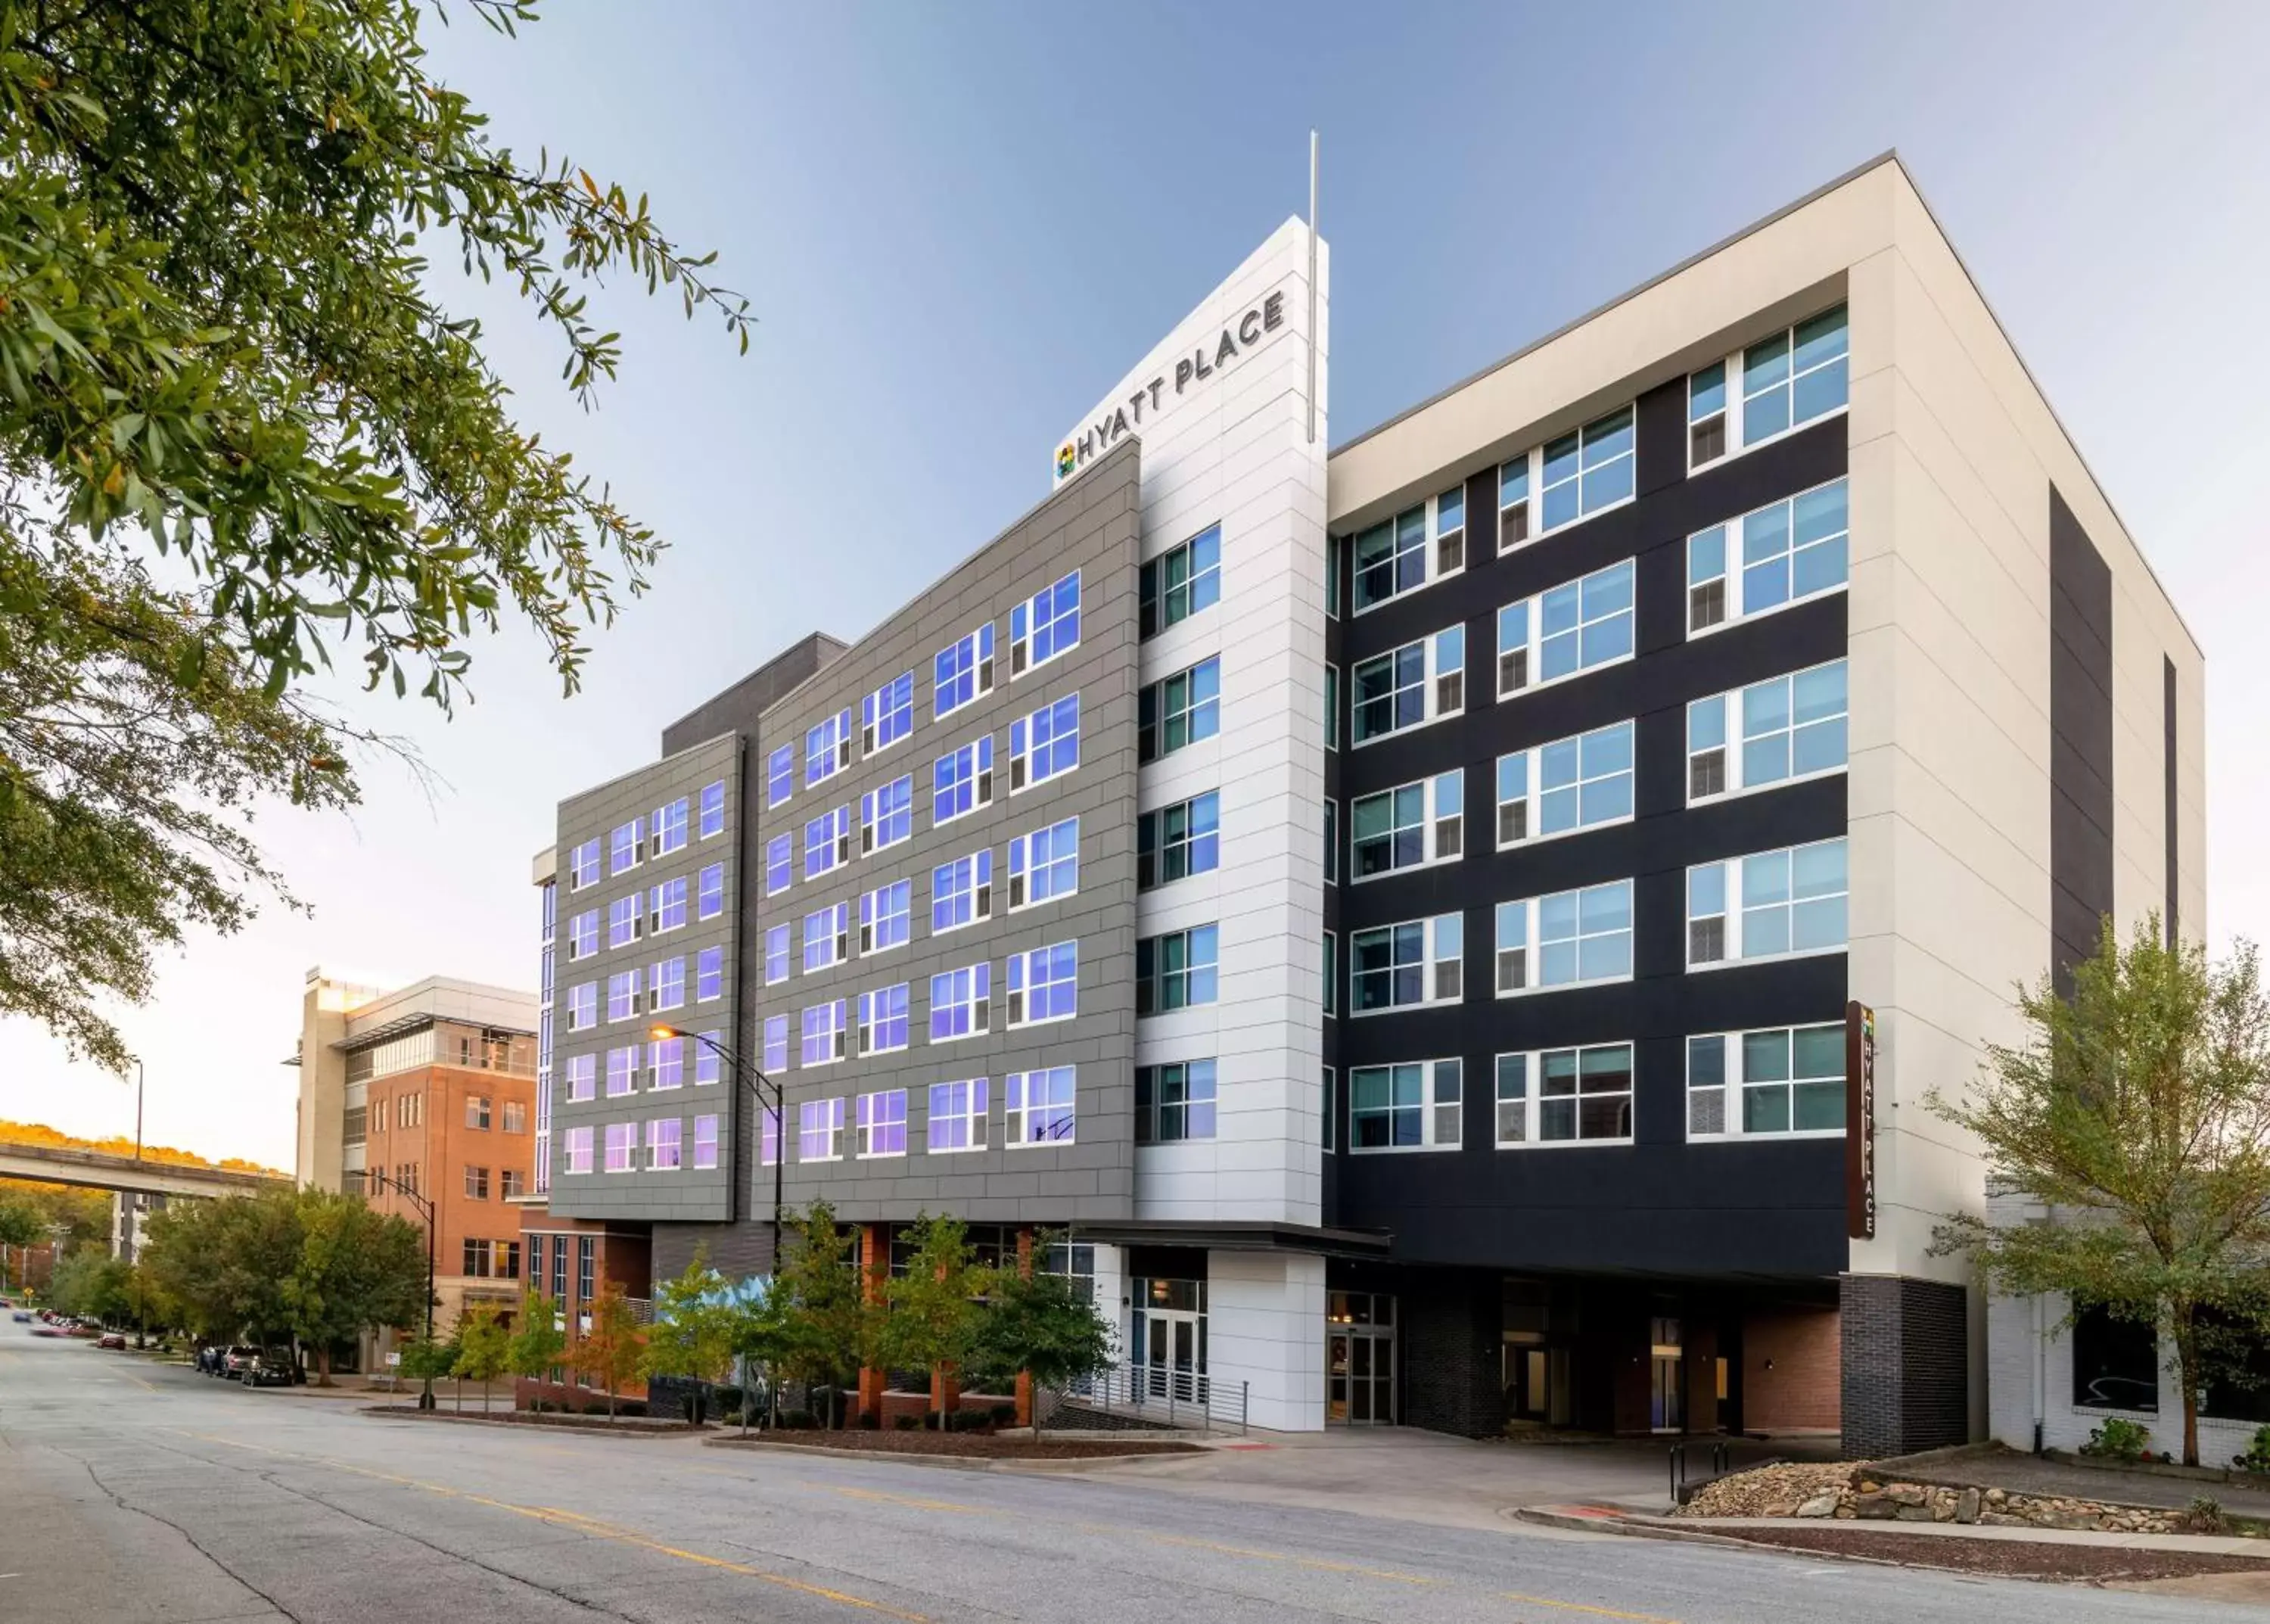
x=425, y=1209
x=741, y=1075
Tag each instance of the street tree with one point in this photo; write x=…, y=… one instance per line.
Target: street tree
x=1043, y=1325
x=933, y=1307
x=425, y=1361
x=540, y=1340
x=21, y=1225
x=92, y=1285
x=357, y=1270
x=226, y=1263
x=763, y=1331
x=829, y=1323
x=612, y=1350
x=693, y=1331
x=484, y=1349
x=242, y=434
x=2138, y=1107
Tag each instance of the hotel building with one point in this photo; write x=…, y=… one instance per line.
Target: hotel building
x=1459, y=929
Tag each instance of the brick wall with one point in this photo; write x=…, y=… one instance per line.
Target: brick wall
x=1791, y=1378
x=1904, y=1362
x=1449, y=1344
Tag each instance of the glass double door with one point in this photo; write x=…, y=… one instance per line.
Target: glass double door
x=1171, y=1354
x=1360, y=1359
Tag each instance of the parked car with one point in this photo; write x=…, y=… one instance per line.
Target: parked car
x=238, y=1359
x=23, y=1316
x=276, y=1367
x=111, y=1339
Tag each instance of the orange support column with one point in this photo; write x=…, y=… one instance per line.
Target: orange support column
x=1025, y=1377
x=874, y=1269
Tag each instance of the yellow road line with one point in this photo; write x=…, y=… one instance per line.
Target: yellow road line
x=919, y=1505
x=1318, y=1563
x=1578, y=1606
x=576, y=1521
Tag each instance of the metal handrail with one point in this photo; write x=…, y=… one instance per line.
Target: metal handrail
x=1141, y=1397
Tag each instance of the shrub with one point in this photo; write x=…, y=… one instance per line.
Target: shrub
x=905, y=1423
x=2119, y=1440
x=2204, y=1516
x=1005, y=1415
x=2257, y=1457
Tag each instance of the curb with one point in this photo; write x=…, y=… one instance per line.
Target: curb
x=1590, y=1520
x=954, y=1463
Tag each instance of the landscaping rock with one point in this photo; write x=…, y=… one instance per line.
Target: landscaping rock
x=1820, y=1505
x=1907, y=1493
x=1876, y=1508
x=1966, y=1506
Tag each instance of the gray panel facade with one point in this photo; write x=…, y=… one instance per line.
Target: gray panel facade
x=645, y=1192
x=1092, y=527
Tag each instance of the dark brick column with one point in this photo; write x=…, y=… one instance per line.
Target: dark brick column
x=1905, y=1351
x=1449, y=1341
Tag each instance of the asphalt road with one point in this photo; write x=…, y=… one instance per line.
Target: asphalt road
x=135, y=1494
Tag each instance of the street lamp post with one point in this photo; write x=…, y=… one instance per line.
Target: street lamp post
x=425, y=1210
x=741, y=1075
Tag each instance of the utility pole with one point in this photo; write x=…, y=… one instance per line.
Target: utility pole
x=425, y=1210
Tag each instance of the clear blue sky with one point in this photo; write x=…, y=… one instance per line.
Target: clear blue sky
x=960, y=223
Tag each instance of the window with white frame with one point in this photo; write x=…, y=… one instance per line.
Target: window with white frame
x=622, y=995
x=583, y=1006
x=665, y=1144
x=1331, y=707
x=1568, y=785
x=1180, y=582
x=623, y=924
x=710, y=890
x=827, y=841
x=1177, y=842
x=1331, y=842
x=669, y=903
x=1405, y=966
x=884, y=916
x=883, y=1020
x=1331, y=945
x=960, y=1003
x=826, y=936
x=583, y=865
x=780, y=864
x=584, y=934
x=709, y=975
x=961, y=892
x=827, y=747
x=1776, y=731
x=962, y=672
x=1513, y=502
x=1781, y=1081
x=669, y=826
x=1178, y=710
x=713, y=809
x=775, y=1043
x=1768, y=905
x=961, y=781
x=1410, y=687
x=622, y=1070
x=820, y=1131
x=776, y=950
x=583, y=1078
x=1577, y=627
x=779, y=775
x=1044, y=625
x=708, y=1063
x=1044, y=745
x=577, y=1144
x=1569, y=938
x=1044, y=865
x=887, y=715
x=882, y=1124
x=705, y=1142
x=1178, y=970
x=623, y=847
x=1783, y=553
x=622, y=1146
x=1408, y=826
x=667, y=988
x=1413, y=1106
x=886, y=815
x=825, y=1033
x=957, y=1116
x=1037, y=1107
x=1583, y=472
x=1565, y=1096
x=1779, y=383
x=1329, y=1116
x=1044, y=985
x=1174, y=1102
x=1418, y=545
x=768, y=1136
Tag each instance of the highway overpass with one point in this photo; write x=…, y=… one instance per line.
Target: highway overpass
x=97, y=1170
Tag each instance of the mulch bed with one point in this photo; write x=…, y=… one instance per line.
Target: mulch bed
x=976, y=1445
x=2011, y=1559
x=628, y=1425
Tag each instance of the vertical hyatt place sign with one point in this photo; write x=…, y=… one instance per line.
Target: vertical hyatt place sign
x=1200, y=365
